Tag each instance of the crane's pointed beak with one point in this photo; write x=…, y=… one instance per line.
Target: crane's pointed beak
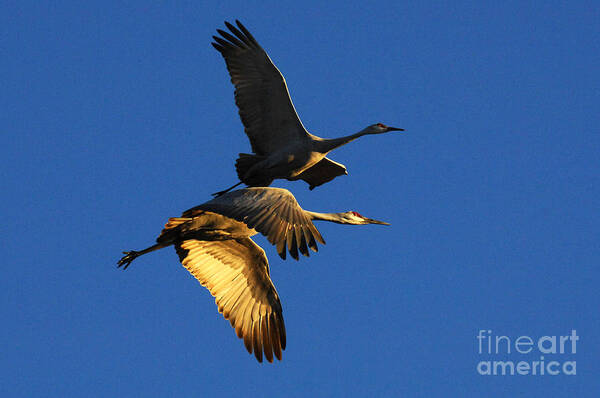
x=372, y=221
x=394, y=129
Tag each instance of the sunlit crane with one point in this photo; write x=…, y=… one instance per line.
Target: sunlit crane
x=213, y=243
x=282, y=147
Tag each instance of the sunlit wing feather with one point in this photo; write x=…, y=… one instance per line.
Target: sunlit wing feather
x=236, y=272
x=261, y=94
x=322, y=172
x=274, y=212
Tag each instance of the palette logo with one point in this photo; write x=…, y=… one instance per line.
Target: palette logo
x=554, y=355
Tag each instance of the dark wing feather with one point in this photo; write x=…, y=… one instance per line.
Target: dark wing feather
x=274, y=212
x=236, y=273
x=261, y=94
x=322, y=172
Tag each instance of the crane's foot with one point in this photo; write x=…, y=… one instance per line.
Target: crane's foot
x=128, y=258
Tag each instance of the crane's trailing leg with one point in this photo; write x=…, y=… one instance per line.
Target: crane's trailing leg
x=216, y=194
x=132, y=255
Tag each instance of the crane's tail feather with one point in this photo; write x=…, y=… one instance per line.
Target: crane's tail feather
x=171, y=230
x=244, y=163
x=175, y=221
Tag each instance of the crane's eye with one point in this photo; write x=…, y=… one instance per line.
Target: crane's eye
x=381, y=125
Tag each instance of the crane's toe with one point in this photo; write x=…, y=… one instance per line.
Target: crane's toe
x=127, y=259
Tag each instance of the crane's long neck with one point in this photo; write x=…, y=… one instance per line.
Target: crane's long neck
x=333, y=217
x=326, y=145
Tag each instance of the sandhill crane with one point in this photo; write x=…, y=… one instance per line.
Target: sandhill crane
x=213, y=243
x=282, y=147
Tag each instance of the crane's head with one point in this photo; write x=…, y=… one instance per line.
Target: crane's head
x=379, y=128
x=354, y=217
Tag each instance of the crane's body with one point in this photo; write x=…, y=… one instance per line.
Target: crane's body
x=288, y=162
x=283, y=148
x=213, y=243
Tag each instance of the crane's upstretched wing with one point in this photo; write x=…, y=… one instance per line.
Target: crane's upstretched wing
x=236, y=272
x=274, y=212
x=322, y=172
x=261, y=94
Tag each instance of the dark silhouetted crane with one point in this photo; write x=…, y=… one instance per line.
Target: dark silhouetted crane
x=282, y=147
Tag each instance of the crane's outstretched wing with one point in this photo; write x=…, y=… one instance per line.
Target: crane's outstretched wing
x=274, y=212
x=236, y=272
x=322, y=172
x=264, y=103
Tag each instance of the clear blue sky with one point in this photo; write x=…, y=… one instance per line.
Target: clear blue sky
x=115, y=117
